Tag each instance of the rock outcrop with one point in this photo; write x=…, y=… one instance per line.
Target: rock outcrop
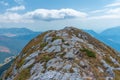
x=67, y=54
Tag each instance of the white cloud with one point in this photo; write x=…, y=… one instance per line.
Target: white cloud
x=4, y=3
x=16, y=8
x=114, y=11
x=99, y=19
x=63, y=17
x=106, y=13
x=49, y=15
x=8, y=17
x=40, y=15
x=113, y=4
x=109, y=14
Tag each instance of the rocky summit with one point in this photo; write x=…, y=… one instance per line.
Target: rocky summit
x=67, y=54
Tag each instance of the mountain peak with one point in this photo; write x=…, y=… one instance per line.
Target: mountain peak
x=69, y=53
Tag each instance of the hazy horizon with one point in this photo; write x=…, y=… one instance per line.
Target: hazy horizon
x=57, y=29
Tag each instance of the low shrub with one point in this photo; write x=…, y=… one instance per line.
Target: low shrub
x=89, y=53
x=23, y=75
x=42, y=45
x=57, y=37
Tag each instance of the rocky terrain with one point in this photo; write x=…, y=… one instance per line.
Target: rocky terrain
x=67, y=54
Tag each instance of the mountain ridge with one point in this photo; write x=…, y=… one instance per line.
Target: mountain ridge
x=64, y=54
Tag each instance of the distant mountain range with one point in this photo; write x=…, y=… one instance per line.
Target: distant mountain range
x=112, y=34
x=111, y=37
x=8, y=42
x=10, y=32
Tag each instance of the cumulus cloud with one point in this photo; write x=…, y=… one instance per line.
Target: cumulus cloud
x=40, y=15
x=49, y=15
x=55, y=14
x=10, y=17
x=16, y=8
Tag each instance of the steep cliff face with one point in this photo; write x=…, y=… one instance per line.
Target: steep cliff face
x=67, y=54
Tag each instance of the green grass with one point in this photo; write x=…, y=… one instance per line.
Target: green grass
x=20, y=63
x=57, y=37
x=42, y=45
x=46, y=58
x=117, y=75
x=61, y=55
x=54, y=38
x=89, y=53
x=23, y=75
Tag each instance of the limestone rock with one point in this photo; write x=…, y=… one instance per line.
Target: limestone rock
x=67, y=54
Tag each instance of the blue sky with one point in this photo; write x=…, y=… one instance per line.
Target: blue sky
x=42, y=15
